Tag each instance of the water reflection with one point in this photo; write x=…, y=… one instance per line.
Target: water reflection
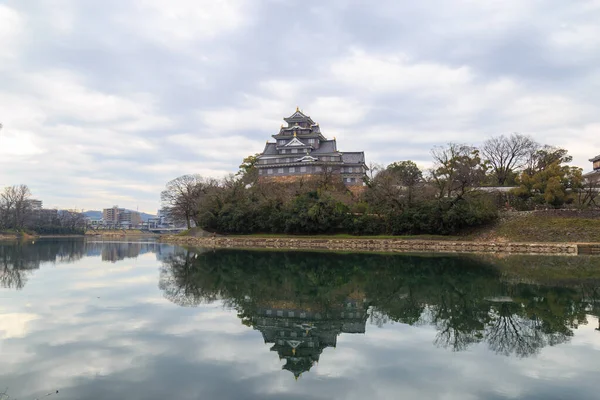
x=19, y=259
x=99, y=327
x=301, y=302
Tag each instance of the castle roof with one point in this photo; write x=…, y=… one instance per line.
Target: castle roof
x=326, y=146
x=270, y=149
x=357, y=157
x=299, y=116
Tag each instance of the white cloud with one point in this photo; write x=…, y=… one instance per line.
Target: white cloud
x=185, y=21
x=11, y=26
x=398, y=73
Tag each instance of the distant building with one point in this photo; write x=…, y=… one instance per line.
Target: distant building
x=110, y=216
x=120, y=217
x=300, y=149
x=594, y=175
x=130, y=218
x=35, y=204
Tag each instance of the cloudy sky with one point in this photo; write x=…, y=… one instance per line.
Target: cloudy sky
x=103, y=102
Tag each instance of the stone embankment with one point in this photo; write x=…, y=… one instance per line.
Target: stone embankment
x=377, y=245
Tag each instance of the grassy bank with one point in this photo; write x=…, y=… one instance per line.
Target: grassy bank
x=16, y=235
x=119, y=232
x=537, y=227
x=347, y=236
x=544, y=228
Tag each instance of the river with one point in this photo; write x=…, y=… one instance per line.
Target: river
x=144, y=320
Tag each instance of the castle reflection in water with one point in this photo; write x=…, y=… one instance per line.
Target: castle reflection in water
x=299, y=335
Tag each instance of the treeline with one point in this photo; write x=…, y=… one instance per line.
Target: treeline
x=20, y=213
x=397, y=199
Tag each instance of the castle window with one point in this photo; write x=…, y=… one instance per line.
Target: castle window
x=292, y=169
x=269, y=171
x=302, y=169
x=280, y=170
x=318, y=168
x=294, y=151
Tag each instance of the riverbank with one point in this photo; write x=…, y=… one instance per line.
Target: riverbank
x=16, y=236
x=135, y=233
x=88, y=234
x=530, y=232
x=375, y=245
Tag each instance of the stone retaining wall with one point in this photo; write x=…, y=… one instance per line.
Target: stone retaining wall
x=378, y=245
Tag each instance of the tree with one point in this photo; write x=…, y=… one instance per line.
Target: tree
x=545, y=157
x=71, y=220
x=248, y=171
x=505, y=154
x=458, y=168
x=373, y=169
x=589, y=192
x=547, y=180
x=181, y=197
x=14, y=205
x=408, y=174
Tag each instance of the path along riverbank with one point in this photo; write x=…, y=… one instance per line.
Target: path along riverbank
x=383, y=245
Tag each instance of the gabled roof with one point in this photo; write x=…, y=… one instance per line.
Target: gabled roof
x=295, y=142
x=597, y=158
x=295, y=127
x=307, y=158
x=299, y=116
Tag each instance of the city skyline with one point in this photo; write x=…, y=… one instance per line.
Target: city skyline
x=103, y=103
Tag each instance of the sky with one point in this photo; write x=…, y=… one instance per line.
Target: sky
x=104, y=102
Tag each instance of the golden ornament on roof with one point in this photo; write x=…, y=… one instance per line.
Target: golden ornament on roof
x=297, y=108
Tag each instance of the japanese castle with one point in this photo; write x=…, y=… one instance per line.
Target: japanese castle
x=300, y=149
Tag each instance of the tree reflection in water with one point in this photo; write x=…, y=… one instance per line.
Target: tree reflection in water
x=467, y=299
x=18, y=260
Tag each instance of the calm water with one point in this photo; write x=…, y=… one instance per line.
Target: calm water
x=119, y=320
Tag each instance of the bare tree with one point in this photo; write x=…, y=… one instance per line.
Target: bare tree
x=14, y=205
x=181, y=196
x=506, y=154
x=71, y=219
x=589, y=192
x=374, y=169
